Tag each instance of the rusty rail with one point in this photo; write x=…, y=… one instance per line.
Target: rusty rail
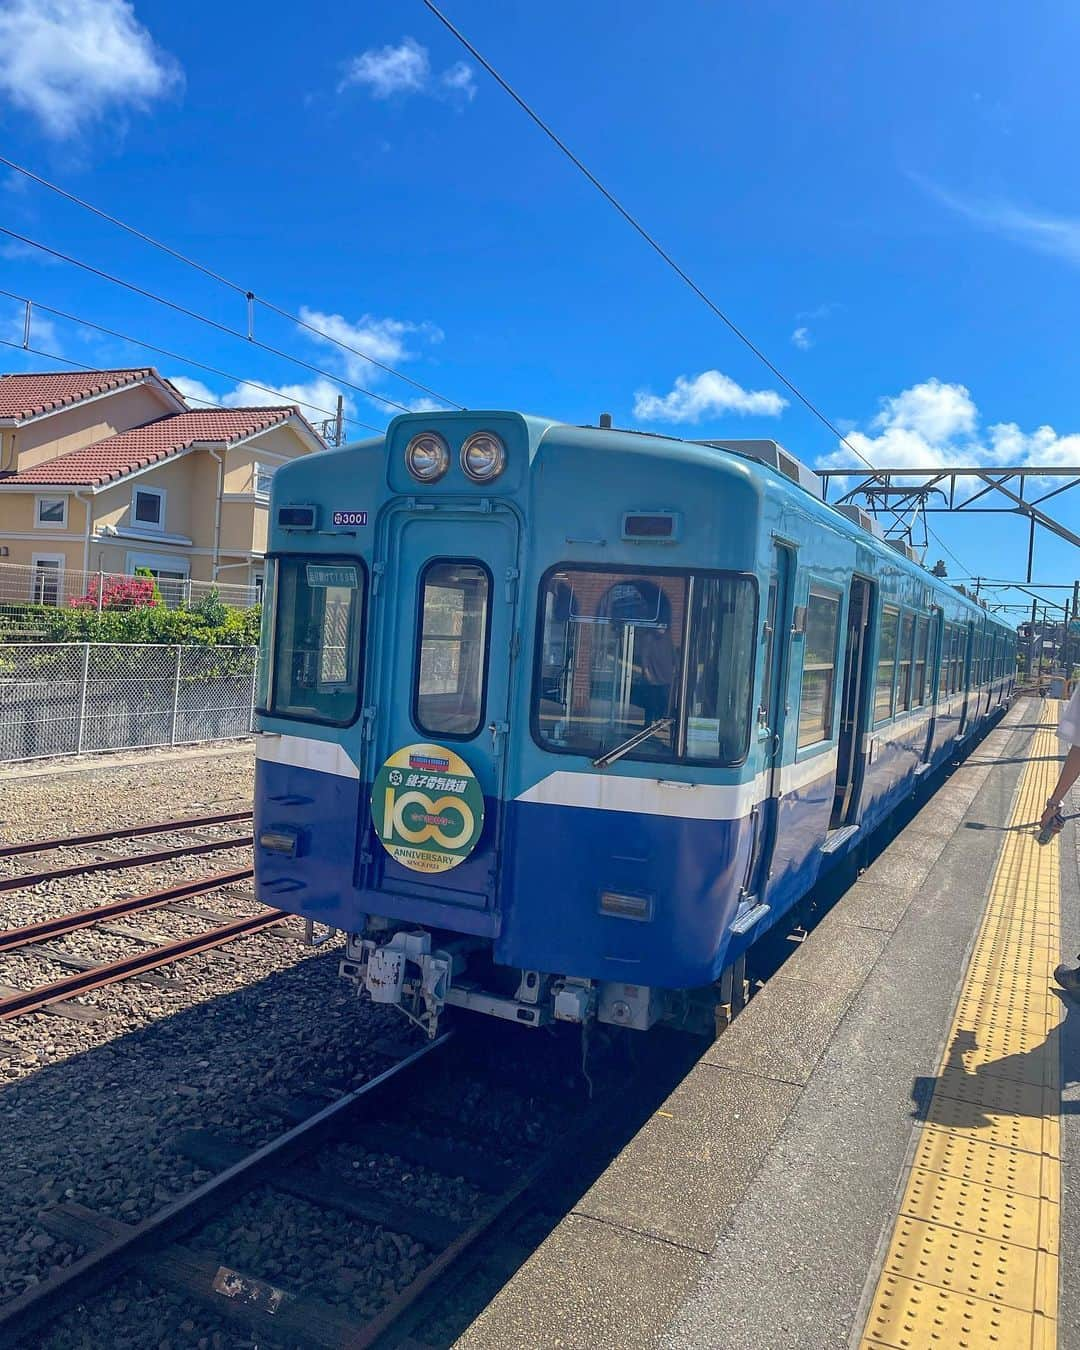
x=111, y=864
x=122, y=832
x=33, y=1000
x=69, y=923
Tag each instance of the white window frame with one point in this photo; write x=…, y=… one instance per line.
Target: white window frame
x=158, y=562
x=259, y=470
x=161, y=494
x=61, y=563
x=40, y=524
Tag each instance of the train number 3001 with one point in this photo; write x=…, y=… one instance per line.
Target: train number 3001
x=350, y=517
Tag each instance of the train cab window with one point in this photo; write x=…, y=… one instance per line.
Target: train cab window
x=455, y=600
x=922, y=644
x=905, y=656
x=884, y=685
x=620, y=652
x=318, y=616
x=819, y=668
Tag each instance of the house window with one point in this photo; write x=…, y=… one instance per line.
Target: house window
x=263, y=478
x=148, y=508
x=50, y=513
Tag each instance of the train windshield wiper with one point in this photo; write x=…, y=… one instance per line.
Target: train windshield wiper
x=632, y=742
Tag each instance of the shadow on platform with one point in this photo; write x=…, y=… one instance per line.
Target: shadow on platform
x=1017, y=1084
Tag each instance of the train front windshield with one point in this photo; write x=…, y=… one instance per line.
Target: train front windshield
x=621, y=651
x=313, y=674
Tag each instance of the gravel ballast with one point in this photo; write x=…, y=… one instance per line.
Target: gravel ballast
x=216, y=1041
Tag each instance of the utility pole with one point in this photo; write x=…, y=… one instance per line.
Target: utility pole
x=339, y=421
x=1032, y=670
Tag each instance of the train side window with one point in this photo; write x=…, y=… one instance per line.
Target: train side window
x=770, y=653
x=621, y=652
x=905, y=656
x=720, y=669
x=318, y=617
x=819, y=668
x=884, y=685
x=922, y=643
x=451, y=667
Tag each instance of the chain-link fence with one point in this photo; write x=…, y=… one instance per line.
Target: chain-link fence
x=24, y=589
x=73, y=698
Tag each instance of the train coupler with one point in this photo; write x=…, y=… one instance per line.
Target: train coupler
x=403, y=973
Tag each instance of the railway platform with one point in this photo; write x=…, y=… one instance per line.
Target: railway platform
x=884, y=1148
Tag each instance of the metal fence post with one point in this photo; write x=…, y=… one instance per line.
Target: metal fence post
x=254, y=689
x=175, y=698
x=80, y=729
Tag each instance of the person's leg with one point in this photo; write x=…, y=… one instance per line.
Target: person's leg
x=1068, y=977
x=1070, y=772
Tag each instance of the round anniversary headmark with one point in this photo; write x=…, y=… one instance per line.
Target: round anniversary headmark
x=427, y=807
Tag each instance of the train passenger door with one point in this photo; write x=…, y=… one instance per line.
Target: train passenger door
x=853, y=706
x=438, y=727
x=935, y=682
x=772, y=714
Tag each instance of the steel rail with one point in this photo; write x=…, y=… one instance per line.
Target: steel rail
x=69, y=923
x=122, y=832
x=33, y=1000
x=111, y=864
x=33, y=1309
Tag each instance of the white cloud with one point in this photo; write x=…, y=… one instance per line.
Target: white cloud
x=317, y=399
x=382, y=339
x=386, y=71
x=68, y=62
x=802, y=339
x=458, y=78
x=937, y=424
x=405, y=69
x=939, y=412
x=697, y=396
x=1039, y=230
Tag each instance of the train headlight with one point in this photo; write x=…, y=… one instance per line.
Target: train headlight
x=483, y=456
x=427, y=457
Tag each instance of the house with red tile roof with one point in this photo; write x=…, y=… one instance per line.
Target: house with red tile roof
x=113, y=471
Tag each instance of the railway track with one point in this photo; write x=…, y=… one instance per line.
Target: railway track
x=401, y=1122
x=122, y=832
x=88, y=975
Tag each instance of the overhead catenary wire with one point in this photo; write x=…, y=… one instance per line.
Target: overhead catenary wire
x=246, y=292
x=657, y=247
x=201, y=318
x=189, y=398
x=186, y=360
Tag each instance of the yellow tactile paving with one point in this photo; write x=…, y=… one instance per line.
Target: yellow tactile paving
x=973, y=1259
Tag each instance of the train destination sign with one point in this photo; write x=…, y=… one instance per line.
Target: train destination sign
x=321, y=574
x=427, y=807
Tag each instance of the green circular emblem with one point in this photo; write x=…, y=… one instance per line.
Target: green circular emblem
x=427, y=807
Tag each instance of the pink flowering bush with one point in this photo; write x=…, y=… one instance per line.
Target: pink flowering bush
x=119, y=593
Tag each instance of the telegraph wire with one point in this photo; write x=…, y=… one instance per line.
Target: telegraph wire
x=201, y=318
x=178, y=356
x=247, y=294
x=656, y=246
x=188, y=398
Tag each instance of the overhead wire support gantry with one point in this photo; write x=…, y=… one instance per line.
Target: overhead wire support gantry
x=908, y=494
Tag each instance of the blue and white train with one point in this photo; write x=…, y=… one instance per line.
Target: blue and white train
x=556, y=721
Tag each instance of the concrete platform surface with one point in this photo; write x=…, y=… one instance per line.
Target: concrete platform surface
x=755, y=1208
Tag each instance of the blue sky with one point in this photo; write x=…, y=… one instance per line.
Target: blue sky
x=879, y=195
